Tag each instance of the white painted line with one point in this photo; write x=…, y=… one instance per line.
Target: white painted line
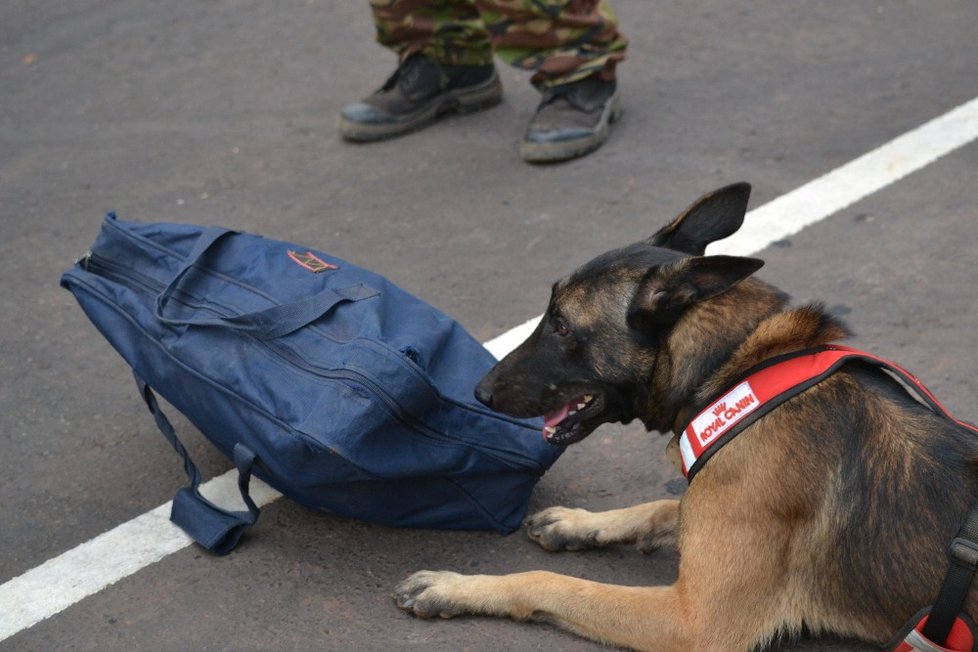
x=827, y=195
x=87, y=569
x=114, y=555
x=512, y=338
x=853, y=181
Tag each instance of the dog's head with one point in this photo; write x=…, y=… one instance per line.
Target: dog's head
x=592, y=357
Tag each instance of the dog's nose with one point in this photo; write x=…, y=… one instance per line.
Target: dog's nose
x=484, y=395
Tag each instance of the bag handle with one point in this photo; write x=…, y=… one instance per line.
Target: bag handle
x=214, y=528
x=265, y=324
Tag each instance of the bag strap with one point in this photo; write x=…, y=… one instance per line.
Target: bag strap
x=265, y=324
x=214, y=528
x=207, y=238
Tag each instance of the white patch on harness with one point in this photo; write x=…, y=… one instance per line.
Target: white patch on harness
x=724, y=413
x=689, y=457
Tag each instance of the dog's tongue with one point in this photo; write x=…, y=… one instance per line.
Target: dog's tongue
x=551, y=419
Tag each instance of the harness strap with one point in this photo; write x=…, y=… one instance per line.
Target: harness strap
x=769, y=384
x=941, y=628
x=960, y=639
x=963, y=557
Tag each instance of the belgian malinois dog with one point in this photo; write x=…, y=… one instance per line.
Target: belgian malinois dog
x=831, y=514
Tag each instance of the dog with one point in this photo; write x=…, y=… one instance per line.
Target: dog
x=831, y=514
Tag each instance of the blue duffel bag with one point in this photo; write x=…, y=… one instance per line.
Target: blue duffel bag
x=325, y=380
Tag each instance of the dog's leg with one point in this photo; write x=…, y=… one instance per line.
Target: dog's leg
x=649, y=525
x=661, y=618
x=642, y=618
x=734, y=591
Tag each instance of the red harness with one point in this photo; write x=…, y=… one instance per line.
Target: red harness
x=773, y=382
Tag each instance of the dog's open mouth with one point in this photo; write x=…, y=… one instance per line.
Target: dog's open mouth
x=566, y=425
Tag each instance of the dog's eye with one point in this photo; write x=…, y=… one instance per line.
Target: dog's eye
x=561, y=328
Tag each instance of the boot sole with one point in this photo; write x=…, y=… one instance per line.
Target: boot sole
x=460, y=101
x=534, y=152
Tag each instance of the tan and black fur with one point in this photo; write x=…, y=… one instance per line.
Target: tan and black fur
x=831, y=514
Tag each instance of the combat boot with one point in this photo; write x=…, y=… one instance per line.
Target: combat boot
x=571, y=120
x=419, y=91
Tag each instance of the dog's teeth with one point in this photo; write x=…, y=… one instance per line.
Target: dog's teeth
x=571, y=413
x=581, y=406
x=588, y=398
x=550, y=430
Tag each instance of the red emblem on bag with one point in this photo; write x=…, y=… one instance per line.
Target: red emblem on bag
x=310, y=261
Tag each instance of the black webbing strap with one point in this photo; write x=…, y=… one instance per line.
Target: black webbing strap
x=213, y=527
x=963, y=557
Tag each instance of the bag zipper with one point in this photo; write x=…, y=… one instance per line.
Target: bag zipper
x=113, y=271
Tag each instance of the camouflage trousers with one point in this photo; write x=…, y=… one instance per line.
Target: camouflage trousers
x=559, y=40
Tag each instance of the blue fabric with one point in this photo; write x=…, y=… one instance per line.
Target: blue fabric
x=339, y=389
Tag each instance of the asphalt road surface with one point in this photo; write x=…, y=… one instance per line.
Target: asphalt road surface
x=224, y=112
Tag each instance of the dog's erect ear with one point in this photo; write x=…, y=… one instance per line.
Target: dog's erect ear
x=712, y=217
x=667, y=291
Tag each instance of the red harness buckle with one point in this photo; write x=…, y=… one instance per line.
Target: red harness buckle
x=960, y=639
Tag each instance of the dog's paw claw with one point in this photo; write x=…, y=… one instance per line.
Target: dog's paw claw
x=425, y=594
x=561, y=528
x=644, y=549
x=651, y=542
x=405, y=603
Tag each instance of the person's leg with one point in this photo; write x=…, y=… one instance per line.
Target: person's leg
x=445, y=65
x=561, y=41
x=448, y=31
x=573, y=48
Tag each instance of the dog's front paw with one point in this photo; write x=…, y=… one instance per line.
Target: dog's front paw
x=431, y=593
x=563, y=528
